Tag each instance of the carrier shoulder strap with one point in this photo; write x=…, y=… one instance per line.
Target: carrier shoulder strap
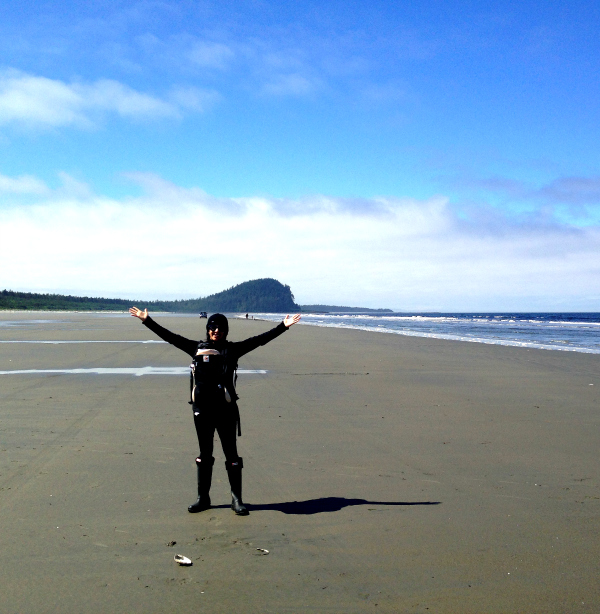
x=192, y=382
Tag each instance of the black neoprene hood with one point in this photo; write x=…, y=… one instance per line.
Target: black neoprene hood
x=220, y=320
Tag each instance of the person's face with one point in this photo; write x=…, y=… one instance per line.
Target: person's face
x=214, y=333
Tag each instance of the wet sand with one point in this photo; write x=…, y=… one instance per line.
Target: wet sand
x=383, y=474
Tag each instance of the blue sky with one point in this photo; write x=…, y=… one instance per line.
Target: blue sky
x=419, y=156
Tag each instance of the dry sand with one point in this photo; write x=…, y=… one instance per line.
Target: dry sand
x=383, y=473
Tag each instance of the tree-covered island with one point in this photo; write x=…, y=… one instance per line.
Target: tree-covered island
x=265, y=295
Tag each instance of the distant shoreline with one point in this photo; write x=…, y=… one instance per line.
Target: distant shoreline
x=256, y=296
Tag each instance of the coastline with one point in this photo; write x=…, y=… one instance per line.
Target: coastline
x=406, y=472
x=539, y=333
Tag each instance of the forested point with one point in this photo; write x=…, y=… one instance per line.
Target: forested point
x=259, y=295
x=58, y=302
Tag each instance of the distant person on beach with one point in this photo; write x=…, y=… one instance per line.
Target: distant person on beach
x=213, y=396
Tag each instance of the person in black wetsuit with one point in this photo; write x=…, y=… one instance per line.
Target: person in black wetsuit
x=214, y=397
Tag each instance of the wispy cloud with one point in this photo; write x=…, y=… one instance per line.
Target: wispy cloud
x=36, y=101
x=289, y=85
x=267, y=63
x=190, y=98
x=572, y=190
x=561, y=190
x=25, y=184
x=210, y=54
x=184, y=54
x=574, y=198
x=404, y=253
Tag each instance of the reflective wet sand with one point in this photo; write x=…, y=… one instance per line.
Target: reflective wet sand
x=383, y=474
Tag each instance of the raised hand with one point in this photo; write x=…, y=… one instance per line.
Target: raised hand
x=138, y=313
x=289, y=321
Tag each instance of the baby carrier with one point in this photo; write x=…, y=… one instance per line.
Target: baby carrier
x=213, y=378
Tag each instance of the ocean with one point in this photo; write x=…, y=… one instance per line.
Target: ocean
x=567, y=332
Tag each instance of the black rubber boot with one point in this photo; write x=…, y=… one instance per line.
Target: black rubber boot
x=234, y=472
x=204, y=468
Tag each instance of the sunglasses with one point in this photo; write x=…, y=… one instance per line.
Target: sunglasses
x=213, y=327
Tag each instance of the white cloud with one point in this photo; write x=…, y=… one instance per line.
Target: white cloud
x=109, y=95
x=39, y=101
x=25, y=184
x=401, y=253
x=36, y=101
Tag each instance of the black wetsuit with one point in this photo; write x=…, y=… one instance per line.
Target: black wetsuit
x=211, y=409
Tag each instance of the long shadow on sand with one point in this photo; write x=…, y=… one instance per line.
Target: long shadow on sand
x=327, y=504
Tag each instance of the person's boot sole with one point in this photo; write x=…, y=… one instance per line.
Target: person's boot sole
x=194, y=509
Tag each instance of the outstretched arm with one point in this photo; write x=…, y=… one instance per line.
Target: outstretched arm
x=189, y=346
x=243, y=347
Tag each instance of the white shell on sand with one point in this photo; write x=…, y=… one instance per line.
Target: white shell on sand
x=182, y=560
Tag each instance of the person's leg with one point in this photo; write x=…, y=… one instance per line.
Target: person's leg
x=226, y=428
x=233, y=463
x=205, y=429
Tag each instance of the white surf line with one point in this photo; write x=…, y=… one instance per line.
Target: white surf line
x=450, y=337
x=137, y=371
x=61, y=342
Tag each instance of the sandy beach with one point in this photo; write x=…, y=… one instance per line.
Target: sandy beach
x=383, y=473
